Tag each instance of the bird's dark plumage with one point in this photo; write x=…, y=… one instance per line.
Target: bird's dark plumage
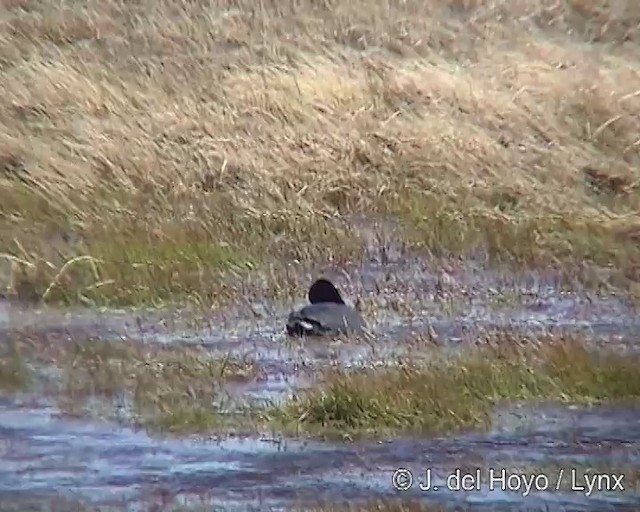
x=326, y=315
x=324, y=291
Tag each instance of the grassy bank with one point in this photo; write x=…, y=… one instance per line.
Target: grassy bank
x=448, y=395
x=175, y=148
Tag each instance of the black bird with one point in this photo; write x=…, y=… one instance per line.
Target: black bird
x=326, y=315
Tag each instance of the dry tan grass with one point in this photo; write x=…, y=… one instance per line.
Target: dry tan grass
x=180, y=143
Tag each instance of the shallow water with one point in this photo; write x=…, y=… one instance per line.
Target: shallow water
x=45, y=454
x=109, y=466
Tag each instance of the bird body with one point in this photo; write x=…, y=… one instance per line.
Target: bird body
x=326, y=315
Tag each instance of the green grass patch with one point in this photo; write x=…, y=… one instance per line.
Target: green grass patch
x=449, y=395
x=128, y=249
x=465, y=223
x=121, y=249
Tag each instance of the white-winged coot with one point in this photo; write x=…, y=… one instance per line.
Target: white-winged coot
x=326, y=315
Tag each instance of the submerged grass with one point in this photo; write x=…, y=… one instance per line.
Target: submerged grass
x=452, y=394
x=170, y=389
x=15, y=374
x=509, y=128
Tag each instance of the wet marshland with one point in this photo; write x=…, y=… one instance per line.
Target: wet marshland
x=105, y=460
